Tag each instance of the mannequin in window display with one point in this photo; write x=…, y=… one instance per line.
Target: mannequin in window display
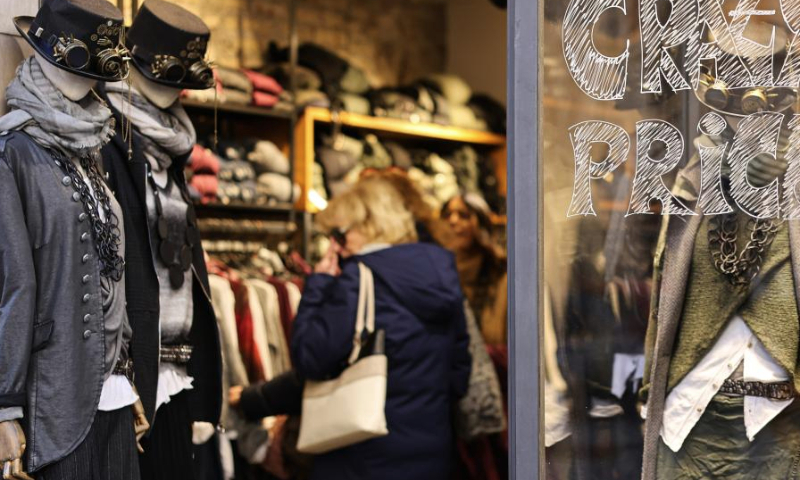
x=722, y=341
x=66, y=398
x=175, y=342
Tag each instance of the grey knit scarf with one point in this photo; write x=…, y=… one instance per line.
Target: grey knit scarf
x=165, y=133
x=39, y=109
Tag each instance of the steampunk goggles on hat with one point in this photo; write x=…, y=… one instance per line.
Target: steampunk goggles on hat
x=170, y=68
x=716, y=94
x=80, y=37
x=739, y=102
x=110, y=60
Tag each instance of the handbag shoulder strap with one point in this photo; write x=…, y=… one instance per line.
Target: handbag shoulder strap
x=365, y=314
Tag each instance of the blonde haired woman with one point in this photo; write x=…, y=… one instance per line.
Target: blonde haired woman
x=418, y=305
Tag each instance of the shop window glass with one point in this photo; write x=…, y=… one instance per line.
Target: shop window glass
x=670, y=160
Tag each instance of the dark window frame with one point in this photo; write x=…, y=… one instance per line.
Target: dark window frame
x=524, y=241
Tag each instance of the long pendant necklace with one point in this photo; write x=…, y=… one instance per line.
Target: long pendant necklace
x=176, y=256
x=106, y=233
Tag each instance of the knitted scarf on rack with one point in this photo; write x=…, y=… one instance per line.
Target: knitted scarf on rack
x=39, y=109
x=165, y=133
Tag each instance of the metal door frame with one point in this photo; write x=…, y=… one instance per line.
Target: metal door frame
x=524, y=241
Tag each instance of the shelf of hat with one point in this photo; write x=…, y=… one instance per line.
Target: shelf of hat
x=494, y=143
x=406, y=128
x=242, y=121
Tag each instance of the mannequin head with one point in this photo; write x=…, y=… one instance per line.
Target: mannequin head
x=159, y=95
x=73, y=86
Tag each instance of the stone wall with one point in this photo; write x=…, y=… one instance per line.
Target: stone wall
x=393, y=41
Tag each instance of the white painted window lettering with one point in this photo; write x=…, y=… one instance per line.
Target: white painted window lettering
x=583, y=135
x=791, y=183
x=711, y=200
x=790, y=73
x=599, y=76
x=648, y=184
x=758, y=134
x=760, y=55
x=679, y=29
x=706, y=46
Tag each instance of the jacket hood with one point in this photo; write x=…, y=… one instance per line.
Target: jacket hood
x=422, y=277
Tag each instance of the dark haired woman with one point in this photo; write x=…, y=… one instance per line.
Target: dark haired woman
x=481, y=264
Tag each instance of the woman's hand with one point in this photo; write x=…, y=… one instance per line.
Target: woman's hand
x=329, y=264
x=235, y=395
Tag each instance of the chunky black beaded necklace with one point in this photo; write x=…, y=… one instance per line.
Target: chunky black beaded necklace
x=106, y=234
x=176, y=256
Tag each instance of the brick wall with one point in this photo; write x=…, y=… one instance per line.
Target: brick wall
x=394, y=41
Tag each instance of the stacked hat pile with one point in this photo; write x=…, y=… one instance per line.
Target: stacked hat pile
x=321, y=75
x=266, y=90
x=341, y=160
x=244, y=87
x=272, y=170
x=237, y=178
x=202, y=170
x=451, y=95
x=249, y=172
x=325, y=79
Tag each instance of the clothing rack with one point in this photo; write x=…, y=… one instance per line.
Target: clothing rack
x=255, y=300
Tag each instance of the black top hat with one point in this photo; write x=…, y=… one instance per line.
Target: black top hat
x=168, y=46
x=81, y=36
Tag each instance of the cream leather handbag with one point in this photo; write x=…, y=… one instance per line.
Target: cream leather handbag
x=351, y=408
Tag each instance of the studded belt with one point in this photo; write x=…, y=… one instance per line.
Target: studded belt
x=774, y=391
x=179, y=354
x=124, y=367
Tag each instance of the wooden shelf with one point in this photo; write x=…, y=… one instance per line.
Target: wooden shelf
x=305, y=131
x=405, y=128
x=237, y=109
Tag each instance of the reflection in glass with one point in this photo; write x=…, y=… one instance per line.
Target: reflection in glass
x=669, y=235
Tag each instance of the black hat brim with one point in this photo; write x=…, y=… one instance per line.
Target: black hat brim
x=148, y=74
x=23, y=24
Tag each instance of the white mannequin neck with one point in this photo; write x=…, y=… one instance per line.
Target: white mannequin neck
x=159, y=95
x=73, y=86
